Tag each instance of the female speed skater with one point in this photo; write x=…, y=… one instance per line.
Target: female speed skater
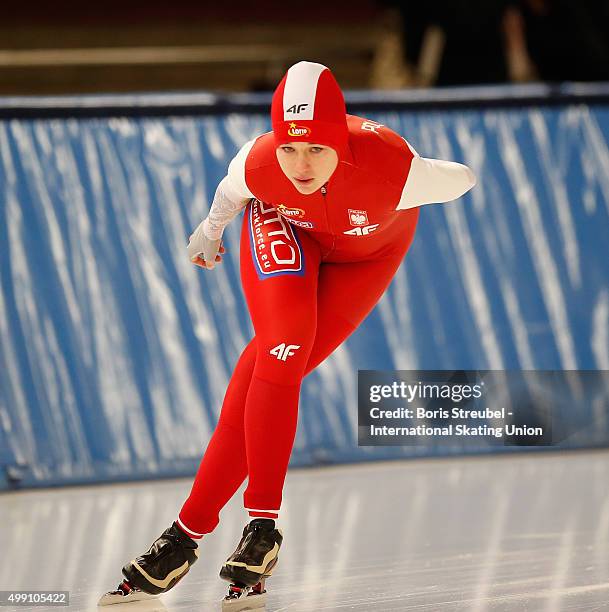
x=331, y=205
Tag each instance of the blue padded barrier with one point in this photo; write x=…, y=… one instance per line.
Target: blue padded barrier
x=115, y=351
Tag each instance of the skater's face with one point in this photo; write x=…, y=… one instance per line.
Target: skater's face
x=307, y=165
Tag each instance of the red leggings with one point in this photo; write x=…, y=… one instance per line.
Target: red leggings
x=302, y=308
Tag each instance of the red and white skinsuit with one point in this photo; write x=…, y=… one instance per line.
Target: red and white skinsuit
x=312, y=267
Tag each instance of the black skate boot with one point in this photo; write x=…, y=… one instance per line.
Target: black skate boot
x=165, y=564
x=156, y=571
x=252, y=562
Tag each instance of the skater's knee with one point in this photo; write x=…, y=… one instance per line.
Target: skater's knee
x=283, y=352
x=282, y=362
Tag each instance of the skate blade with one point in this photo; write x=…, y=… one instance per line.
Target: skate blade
x=118, y=597
x=245, y=602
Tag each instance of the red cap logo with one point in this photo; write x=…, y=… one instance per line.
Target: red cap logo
x=298, y=130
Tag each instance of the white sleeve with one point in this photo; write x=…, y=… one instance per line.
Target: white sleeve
x=236, y=187
x=223, y=210
x=231, y=196
x=434, y=181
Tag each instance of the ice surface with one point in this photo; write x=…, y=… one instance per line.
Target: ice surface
x=523, y=532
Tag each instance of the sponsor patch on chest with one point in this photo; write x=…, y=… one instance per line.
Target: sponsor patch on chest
x=357, y=218
x=290, y=212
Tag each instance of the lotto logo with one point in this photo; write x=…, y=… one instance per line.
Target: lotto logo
x=362, y=231
x=298, y=130
x=290, y=212
x=283, y=351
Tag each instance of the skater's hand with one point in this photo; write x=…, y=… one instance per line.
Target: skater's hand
x=202, y=263
x=203, y=251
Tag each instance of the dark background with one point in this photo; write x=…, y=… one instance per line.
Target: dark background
x=73, y=47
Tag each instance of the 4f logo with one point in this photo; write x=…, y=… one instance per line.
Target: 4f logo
x=362, y=231
x=283, y=351
x=296, y=108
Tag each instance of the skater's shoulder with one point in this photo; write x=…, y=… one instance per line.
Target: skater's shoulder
x=262, y=152
x=375, y=136
x=378, y=150
x=254, y=156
